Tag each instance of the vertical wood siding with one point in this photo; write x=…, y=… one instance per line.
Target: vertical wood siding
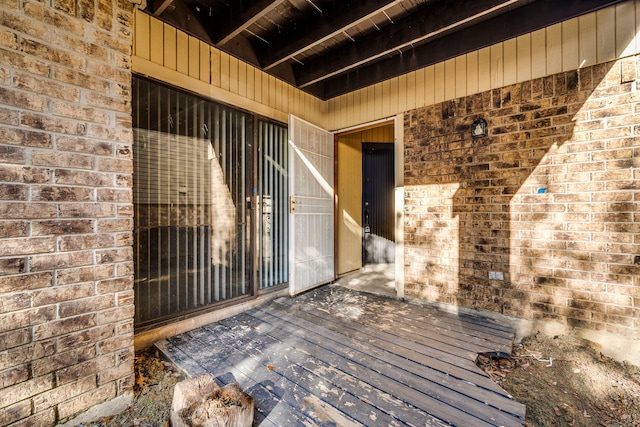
x=594, y=38
x=170, y=55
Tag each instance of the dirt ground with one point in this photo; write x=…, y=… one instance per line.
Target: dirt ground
x=566, y=381
x=155, y=381
x=563, y=381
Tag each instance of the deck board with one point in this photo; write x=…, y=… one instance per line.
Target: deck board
x=417, y=360
x=334, y=356
x=395, y=378
x=330, y=374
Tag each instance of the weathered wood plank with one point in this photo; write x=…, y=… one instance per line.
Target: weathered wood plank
x=301, y=367
x=457, y=330
x=460, y=394
x=337, y=357
x=369, y=384
x=221, y=354
x=407, y=355
x=325, y=377
x=450, y=356
x=483, y=332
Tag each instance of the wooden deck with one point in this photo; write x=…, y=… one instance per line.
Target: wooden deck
x=337, y=357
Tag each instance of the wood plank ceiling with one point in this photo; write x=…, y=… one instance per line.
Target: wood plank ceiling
x=331, y=47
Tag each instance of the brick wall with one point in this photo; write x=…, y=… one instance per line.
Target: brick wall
x=66, y=284
x=550, y=200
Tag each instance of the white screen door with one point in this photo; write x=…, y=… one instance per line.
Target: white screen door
x=311, y=205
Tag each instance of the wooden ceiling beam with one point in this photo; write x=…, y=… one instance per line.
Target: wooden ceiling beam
x=160, y=6
x=523, y=20
x=239, y=22
x=432, y=21
x=323, y=28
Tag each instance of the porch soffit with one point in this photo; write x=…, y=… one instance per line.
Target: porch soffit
x=331, y=47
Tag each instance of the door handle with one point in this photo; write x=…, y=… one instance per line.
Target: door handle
x=367, y=228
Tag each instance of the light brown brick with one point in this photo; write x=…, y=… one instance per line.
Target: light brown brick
x=25, y=174
x=9, y=116
x=23, y=100
x=115, y=285
x=84, y=145
x=15, y=338
x=98, y=54
x=121, y=344
x=13, y=376
x=80, y=79
x=87, y=178
x=115, y=225
x=63, y=358
x=86, y=305
x=26, y=354
x=86, y=400
x=46, y=87
x=51, y=89
x=55, y=295
x=56, y=159
x=125, y=328
x=86, y=337
x=107, y=102
x=26, y=390
x=25, y=282
x=27, y=246
x=90, y=367
x=124, y=211
x=66, y=6
x=120, y=165
x=63, y=326
x=80, y=242
x=114, y=315
x=124, y=180
x=84, y=274
x=125, y=385
x=44, y=418
x=86, y=10
x=125, y=298
x=14, y=192
x=88, y=114
x=52, y=124
x=10, y=154
x=60, y=260
x=18, y=411
x=24, y=138
x=15, y=302
x=43, y=14
x=13, y=265
x=115, y=195
x=60, y=227
x=105, y=256
x=114, y=373
x=105, y=14
x=86, y=210
x=10, y=40
x=63, y=393
x=54, y=193
x=589, y=162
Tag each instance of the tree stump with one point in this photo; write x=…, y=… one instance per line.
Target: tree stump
x=201, y=402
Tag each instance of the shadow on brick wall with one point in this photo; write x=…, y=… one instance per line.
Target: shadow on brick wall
x=537, y=219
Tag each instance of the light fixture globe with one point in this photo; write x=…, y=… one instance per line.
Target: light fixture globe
x=479, y=128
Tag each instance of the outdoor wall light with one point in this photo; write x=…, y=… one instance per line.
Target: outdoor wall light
x=479, y=128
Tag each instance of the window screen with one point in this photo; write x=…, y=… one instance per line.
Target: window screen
x=192, y=194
